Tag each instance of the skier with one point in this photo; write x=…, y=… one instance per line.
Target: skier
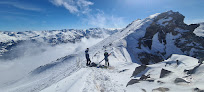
x=106, y=58
x=87, y=57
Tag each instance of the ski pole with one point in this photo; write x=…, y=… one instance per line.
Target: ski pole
x=101, y=61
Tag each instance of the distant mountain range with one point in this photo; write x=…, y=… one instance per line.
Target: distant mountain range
x=53, y=37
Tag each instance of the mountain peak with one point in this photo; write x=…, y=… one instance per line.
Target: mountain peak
x=161, y=35
x=170, y=17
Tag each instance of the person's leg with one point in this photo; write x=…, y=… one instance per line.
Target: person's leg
x=105, y=62
x=87, y=62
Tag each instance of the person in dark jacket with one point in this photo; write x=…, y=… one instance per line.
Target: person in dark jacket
x=87, y=57
x=106, y=58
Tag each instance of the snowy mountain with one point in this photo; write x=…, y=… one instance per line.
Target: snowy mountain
x=160, y=37
x=10, y=40
x=153, y=54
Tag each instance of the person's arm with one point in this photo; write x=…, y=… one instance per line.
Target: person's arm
x=109, y=54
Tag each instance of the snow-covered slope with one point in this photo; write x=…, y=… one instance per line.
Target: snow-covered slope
x=200, y=30
x=149, y=38
x=161, y=36
x=178, y=80
x=94, y=80
x=142, y=42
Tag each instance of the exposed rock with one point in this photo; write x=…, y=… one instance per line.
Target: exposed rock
x=160, y=82
x=144, y=90
x=164, y=73
x=167, y=63
x=197, y=90
x=192, y=71
x=139, y=70
x=132, y=81
x=151, y=58
x=180, y=80
x=166, y=28
x=160, y=89
x=123, y=70
x=144, y=77
x=150, y=80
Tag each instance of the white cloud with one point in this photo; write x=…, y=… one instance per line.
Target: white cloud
x=74, y=6
x=94, y=18
x=23, y=6
x=102, y=20
x=33, y=56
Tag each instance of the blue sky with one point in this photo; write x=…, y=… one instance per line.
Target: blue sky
x=34, y=15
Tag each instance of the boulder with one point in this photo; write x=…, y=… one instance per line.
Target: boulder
x=132, y=81
x=180, y=80
x=144, y=90
x=197, y=90
x=164, y=73
x=139, y=70
x=160, y=89
x=160, y=82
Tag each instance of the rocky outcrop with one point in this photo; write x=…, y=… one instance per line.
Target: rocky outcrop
x=180, y=80
x=138, y=70
x=197, y=90
x=192, y=71
x=166, y=34
x=164, y=73
x=160, y=89
x=132, y=81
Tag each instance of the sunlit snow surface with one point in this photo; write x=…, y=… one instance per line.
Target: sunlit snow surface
x=200, y=30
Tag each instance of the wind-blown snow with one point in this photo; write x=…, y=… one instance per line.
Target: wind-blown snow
x=33, y=57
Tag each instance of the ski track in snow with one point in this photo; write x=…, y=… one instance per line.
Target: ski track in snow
x=90, y=79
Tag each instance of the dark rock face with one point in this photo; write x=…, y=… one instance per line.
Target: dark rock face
x=132, y=81
x=146, y=58
x=180, y=80
x=167, y=29
x=139, y=70
x=144, y=77
x=198, y=90
x=164, y=73
x=160, y=89
x=160, y=82
x=144, y=90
